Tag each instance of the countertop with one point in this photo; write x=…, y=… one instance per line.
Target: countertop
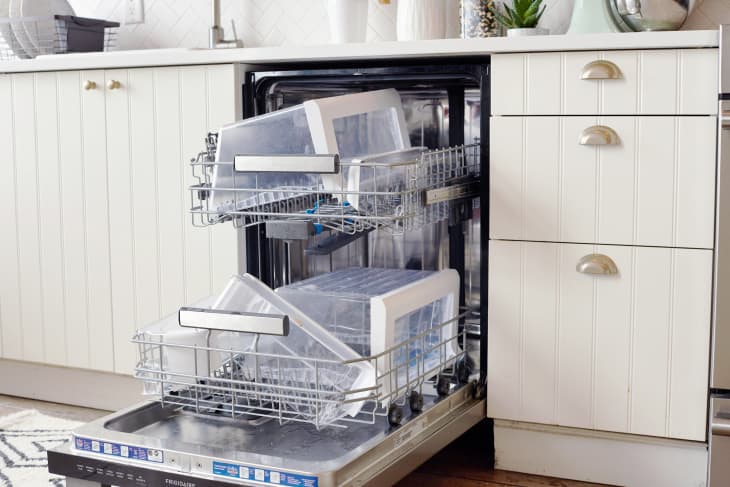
x=374, y=50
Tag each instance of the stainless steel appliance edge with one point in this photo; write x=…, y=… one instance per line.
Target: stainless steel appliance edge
x=719, y=424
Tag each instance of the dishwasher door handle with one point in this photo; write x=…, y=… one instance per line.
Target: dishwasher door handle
x=237, y=321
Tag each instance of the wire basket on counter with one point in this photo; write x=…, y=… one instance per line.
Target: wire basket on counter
x=29, y=37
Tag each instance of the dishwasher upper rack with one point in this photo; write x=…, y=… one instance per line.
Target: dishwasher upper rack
x=231, y=390
x=395, y=196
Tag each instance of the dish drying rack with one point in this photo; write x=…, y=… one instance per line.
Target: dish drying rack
x=396, y=196
x=234, y=389
x=56, y=34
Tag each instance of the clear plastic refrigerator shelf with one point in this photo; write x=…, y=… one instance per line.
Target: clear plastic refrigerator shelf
x=397, y=191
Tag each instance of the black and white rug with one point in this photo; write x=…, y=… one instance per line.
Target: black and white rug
x=24, y=438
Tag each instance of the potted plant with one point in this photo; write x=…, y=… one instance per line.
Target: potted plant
x=521, y=18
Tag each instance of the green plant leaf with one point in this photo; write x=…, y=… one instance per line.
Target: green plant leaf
x=521, y=14
x=519, y=8
x=505, y=21
x=511, y=15
x=532, y=10
x=517, y=19
x=540, y=14
x=501, y=17
x=532, y=20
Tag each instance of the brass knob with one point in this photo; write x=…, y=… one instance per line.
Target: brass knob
x=597, y=264
x=89, y=85
x=113, y=84
x=599, y=135
x=601, y=69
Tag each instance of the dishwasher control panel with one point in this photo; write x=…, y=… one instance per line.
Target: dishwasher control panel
x=108, y=472
x=263, y=475
x=131, y=452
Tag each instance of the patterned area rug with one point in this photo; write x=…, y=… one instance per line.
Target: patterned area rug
x=24, y=439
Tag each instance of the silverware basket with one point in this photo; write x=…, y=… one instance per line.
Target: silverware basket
x=29, y=37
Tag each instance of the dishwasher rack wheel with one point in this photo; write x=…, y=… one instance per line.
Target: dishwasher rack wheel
x=463, y=369
x=395, y=414
x=443, y=385
x=415, y=401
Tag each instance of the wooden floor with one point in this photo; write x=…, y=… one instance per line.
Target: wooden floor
x=467, y=463
x=464, y=463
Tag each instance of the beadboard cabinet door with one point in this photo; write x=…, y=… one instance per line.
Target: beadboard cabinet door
x=626, y=352
x=647, y=82
x=99, y=241
x=654, y=186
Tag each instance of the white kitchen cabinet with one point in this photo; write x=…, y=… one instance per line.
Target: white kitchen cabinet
x=98, y=240
x=625, y=353
x=651, y=82
x=589, y=366
x=654, y=187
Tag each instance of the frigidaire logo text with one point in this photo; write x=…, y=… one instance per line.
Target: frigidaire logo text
x=179, y=483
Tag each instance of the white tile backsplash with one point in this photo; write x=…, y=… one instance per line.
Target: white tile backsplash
x=184, y=23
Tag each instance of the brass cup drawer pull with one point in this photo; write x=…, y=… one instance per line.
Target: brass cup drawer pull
x=599, y=135
x=596, y=264
x=601, y=69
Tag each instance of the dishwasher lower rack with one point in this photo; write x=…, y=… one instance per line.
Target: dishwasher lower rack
x=396, y=191
x=254, y=386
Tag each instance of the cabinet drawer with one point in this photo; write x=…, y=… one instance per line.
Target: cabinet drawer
x=626, y=352
x=655, y=187
x=657, y=82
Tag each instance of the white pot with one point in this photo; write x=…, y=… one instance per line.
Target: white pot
x=532, y=31
x=421, y=19
x=348, y=20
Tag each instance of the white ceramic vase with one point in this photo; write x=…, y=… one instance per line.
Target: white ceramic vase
x=525, y=31
x=348, y=20
x=421, y=19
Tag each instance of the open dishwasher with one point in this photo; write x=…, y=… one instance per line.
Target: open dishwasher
x=344, y=353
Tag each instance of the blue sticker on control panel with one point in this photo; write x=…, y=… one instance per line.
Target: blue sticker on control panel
x=272, y=477
x=119, y=450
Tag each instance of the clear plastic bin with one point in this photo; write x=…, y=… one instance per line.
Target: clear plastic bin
x=382, y=180
x=261, y=135
x=180, y=364
x=373, y=309
x=348, y=125
x=294, y=365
